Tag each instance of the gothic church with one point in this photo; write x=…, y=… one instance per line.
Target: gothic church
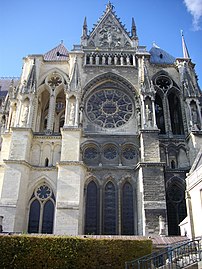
x=98, y=140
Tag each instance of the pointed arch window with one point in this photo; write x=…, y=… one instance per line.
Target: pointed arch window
x=127, y=209
x=175, y=114
x=176, y=207
x=41, y=212
x=92, y=209
x=110, y=209
x=159, y=114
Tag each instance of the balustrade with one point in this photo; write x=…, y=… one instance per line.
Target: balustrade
x=110, y=59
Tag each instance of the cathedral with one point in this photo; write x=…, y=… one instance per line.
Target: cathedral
x=99, y=139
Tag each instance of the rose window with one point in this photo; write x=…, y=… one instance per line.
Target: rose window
x=90, y=153
x=43, y=192
x=109, y=108
x=129, y=153
x=110, y=153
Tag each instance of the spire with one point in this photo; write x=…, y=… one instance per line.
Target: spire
x=85, y=28
x=184, y=47
x=133, y=29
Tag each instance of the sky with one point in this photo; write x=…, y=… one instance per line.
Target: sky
x=37, y=26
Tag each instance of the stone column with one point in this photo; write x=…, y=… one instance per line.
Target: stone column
x=97, y=59
x=143, y=113
x=154, y=113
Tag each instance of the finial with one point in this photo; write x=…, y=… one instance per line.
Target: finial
x=85, y=28
x=184, y=47
x=61, y=42
x=133, y=29
x=109, y=6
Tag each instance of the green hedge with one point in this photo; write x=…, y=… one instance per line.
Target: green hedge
x=60, y=252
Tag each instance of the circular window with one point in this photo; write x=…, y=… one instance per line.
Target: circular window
x=43, y=192
x=90, y=153
x=129, y=153
x=109, y=108
x=110, y=153
x=163, y=82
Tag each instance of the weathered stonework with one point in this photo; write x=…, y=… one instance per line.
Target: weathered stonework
x=98, y=140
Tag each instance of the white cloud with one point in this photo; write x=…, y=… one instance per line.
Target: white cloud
x=195, y=8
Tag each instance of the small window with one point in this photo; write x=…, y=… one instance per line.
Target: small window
x=46, y=162
x=173, y=166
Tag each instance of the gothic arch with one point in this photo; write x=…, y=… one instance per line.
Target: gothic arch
x=128, y=208
x=92, y=206
x=109, y=77
x=90, y=152
x=110, y=208
x=175, y=108
x=159, y=111
x=41, y=209
x=176, y=206
x=56, y=71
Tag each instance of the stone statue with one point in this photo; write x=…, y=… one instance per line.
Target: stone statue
x=162, y=230
x=139, y=119
x=13, y=117
x=71, y=115
x=81, y=116
x=25, y=115
x=194, y=118
x=148, y=116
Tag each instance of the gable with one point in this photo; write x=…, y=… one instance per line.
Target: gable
x=109, y=33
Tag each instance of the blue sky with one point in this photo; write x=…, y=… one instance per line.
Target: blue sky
x=35, y=27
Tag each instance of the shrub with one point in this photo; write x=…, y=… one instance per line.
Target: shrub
x=60, y=252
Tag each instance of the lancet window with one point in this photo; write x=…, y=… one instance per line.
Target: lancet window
x=41, y=210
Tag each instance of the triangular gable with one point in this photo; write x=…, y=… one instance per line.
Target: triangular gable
x=197, y=163
x=59, y=53
x=109, y=32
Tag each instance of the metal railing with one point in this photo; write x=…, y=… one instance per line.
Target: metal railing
x=172, y=257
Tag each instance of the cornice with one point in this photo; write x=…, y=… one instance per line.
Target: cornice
x=32, y=167
x=67, y=129
x=37, y=136
x=149, y=131
x=22, y=162
x=151, y=164
x=71, y=163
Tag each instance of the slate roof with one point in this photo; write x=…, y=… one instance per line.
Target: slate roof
x=159, y=56
x=59, y=53
x=5, y=83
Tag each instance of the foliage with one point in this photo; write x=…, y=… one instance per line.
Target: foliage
x=60, y=252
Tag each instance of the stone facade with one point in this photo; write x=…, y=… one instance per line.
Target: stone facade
x=98, y=140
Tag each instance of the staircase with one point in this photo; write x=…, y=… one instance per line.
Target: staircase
x=182, y=255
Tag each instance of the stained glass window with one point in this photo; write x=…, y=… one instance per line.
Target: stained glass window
x=90, y=153
x=41, y=214
x=127, y=209
x=110, y=209
x=129, y=153
x=109, y=108
x=92, y=209
x=110, y=152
